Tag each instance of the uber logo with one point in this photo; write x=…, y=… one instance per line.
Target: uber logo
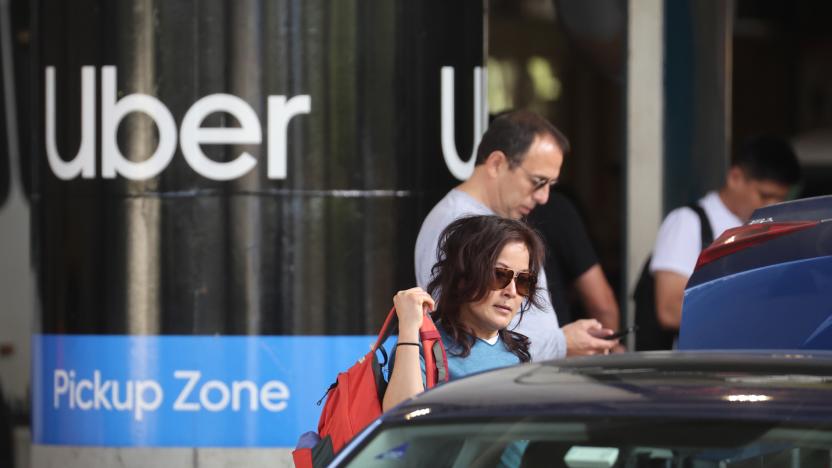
x=280, y=112
x=459, y=168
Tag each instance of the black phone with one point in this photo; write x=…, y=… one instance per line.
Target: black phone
x=620, y=333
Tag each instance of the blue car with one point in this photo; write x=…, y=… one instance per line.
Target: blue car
x=765, y=285
x=659, y=409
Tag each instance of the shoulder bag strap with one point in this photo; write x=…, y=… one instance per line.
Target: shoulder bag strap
x=433, y=351
x=706, y=233
x=386, y=329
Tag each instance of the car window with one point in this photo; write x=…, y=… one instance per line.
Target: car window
x=607, y=444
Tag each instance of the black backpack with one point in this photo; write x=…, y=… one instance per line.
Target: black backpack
x=650, y=335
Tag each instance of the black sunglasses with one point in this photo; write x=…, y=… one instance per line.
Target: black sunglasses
x=538, y=182
x=523, y=281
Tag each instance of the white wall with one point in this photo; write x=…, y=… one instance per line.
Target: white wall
x=645, y=140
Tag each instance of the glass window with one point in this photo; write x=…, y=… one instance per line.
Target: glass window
x=604, y=443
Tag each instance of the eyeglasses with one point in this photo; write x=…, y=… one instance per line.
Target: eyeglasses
x=538, y=182
x=523, y=281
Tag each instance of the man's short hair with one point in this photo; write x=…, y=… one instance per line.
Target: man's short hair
x=513, y=133
x=768, y=157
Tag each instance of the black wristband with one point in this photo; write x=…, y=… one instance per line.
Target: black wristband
x=405, y=343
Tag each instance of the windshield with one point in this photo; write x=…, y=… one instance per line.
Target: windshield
x=659, y=443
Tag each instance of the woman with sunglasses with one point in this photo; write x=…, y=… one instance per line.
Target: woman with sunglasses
x=486, y=273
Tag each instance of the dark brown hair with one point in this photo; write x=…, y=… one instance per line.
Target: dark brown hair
x=767, y=157
x=513, y=133
x=468, y=251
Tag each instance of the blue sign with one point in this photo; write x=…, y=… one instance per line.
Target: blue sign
x=183, y=391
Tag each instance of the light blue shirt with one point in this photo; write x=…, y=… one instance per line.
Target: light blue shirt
x=483, y=356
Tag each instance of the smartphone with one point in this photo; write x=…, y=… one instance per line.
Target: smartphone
x=620, y=333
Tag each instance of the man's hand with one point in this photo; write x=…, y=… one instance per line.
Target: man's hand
x=583, y=338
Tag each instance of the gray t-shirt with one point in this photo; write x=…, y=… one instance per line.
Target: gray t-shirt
x=539, y=324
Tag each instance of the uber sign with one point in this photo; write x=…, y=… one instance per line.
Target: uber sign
x=192, y=134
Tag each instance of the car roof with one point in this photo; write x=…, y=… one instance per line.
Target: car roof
x=749, y=385
x=804, y=209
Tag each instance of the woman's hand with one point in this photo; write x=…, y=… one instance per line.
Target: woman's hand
x=406, y=378
x=411, y=304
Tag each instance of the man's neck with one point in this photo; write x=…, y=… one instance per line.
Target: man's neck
x=477, y=189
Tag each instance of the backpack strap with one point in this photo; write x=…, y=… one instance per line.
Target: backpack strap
x=433, y=350
x=706, y=233
x=386, y=329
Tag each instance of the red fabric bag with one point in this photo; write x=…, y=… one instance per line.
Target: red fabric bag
x=354, y=400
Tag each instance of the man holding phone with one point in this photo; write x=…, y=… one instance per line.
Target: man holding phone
x=621, y=333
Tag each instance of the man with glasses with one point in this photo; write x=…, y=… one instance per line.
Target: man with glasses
x=517, y=161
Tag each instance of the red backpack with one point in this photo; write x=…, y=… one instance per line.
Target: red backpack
x=354, y=400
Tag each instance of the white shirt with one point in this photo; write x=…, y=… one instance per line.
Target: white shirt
x=679, y=240
x=540, y=325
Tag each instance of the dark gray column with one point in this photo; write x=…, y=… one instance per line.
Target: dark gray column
x=346, y=93
x=697, y=98
x=317, y=251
